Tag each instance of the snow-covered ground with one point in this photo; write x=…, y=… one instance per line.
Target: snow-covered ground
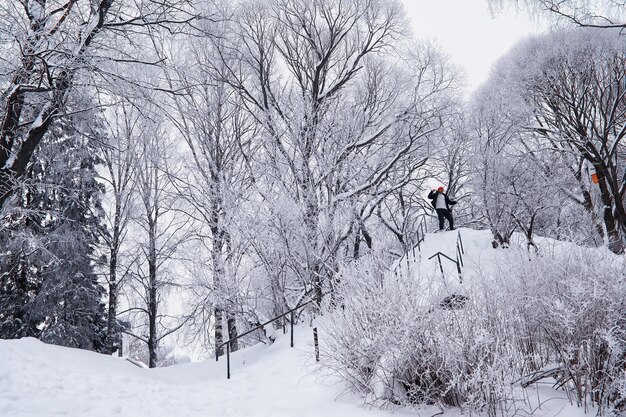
x=273, y=381
x=39, y=380
x=480, y=258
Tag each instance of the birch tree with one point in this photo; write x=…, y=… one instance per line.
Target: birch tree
x=123, y=127
x=217, y=131
x=163, y=230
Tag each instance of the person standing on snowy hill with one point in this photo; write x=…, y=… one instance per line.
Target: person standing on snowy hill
x=442, y=204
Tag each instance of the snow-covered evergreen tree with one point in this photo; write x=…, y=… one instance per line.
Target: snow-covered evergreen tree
x=49, y=288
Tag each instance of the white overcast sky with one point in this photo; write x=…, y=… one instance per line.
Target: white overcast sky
x=468, y=33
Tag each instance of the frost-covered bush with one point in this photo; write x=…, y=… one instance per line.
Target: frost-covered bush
x=573, y=306
x=393, y=342
x=560, y=316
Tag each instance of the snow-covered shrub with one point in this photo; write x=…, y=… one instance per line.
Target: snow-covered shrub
x=393, y=342
x=363, y=325
x=561, y=316
x=574, y=305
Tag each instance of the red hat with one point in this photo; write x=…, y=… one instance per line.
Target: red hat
x=440, y=189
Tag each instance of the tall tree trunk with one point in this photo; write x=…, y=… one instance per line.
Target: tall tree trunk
x=112, y=334
x=218, y=271
x=219, y=332
x=356, y=249
x=615, y=243
x=152, y=295
x=361, y=235
x=311, y=218
x=588, y=205
x=616, y=190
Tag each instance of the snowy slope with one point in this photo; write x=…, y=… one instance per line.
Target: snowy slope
x=479, y=258
x=426, y=270
x=39, y=380
x=273, y=381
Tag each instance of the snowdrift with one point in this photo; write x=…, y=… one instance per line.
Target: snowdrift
x=39, y=380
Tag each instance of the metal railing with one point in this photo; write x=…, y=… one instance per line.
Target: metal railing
x=421, y=236
x=291, y=313
x=455, y=261
x=459, y=252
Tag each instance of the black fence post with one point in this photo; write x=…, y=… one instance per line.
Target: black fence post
x=227, y=360
x=461, y=242
x=317, y=345
x=292, y=319
x=440, y=264
x=260, y=326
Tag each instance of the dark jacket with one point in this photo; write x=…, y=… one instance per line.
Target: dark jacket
x=433, y=197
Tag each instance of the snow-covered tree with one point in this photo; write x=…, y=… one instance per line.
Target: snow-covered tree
x=567, y=92
x=160, y=232
x=589, y=13
x=344, y=118
x=493, y=131
x=50, y=44
x=51, y=239
x=117, y=138
x=218, y=132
